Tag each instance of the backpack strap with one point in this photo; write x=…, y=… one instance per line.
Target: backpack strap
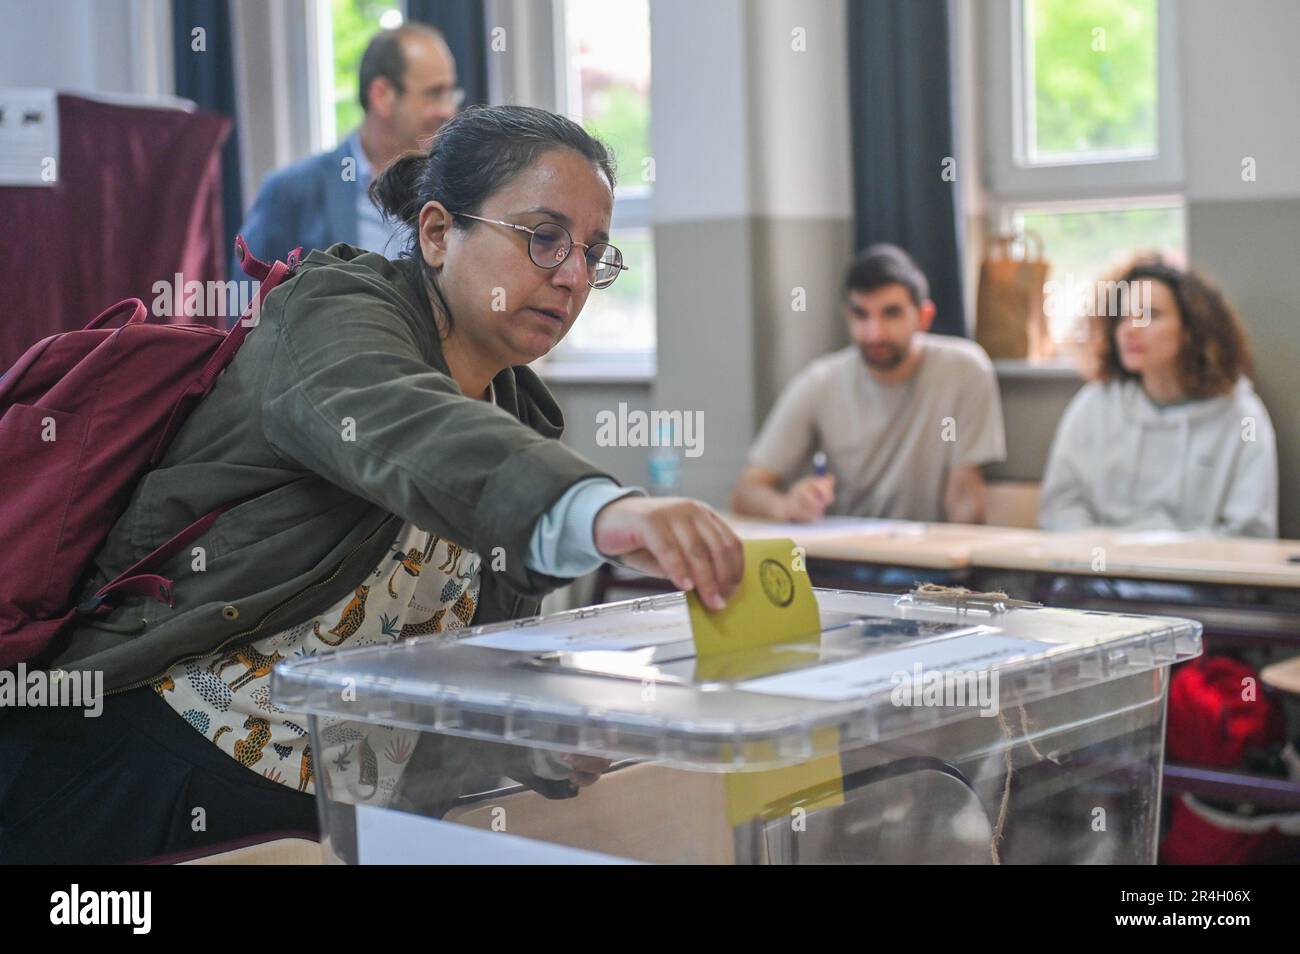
x=257, y=269
x=267, y=277
x=135, y=578
x=134, y=305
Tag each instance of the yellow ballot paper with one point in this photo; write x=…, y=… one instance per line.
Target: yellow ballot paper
x=774, y=604
x=812, y=785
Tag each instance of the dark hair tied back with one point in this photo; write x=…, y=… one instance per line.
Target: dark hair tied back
x=396, y=190
x=472, y=156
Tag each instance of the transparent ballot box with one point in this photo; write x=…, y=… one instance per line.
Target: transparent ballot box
x=907, y=731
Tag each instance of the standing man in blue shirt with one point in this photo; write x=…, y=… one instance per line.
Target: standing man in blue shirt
x=408, y=90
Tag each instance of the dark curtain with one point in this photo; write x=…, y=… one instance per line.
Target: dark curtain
x=900, y=102
x=207, y=77
x=462, y=23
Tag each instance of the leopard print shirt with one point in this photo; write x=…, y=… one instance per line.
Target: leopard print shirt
x=425, y=585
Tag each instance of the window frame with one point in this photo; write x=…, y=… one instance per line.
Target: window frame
x=320, y=63
x=533, y=70
x=632, y=202
x=1010, y=187
x=1008, y=211
x=275, y=76
x=1011, y=180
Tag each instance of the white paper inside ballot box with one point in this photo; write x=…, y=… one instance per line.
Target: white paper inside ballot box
x=387, y=837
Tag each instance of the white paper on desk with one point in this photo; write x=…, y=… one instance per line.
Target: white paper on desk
x=29, y=137
x=609, y=633
x=1150, y=538
x=826, y=527
x=387, y=837
x=870, y=674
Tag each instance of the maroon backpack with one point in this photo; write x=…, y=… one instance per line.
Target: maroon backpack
x=83, y=415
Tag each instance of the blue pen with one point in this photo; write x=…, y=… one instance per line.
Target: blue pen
x=819, y=463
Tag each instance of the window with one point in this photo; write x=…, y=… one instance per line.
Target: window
x=344, y=27
x=1082, y=113
x=1082, y=97
x=1095, y=100
x=582, y=58
x=1089, y=240
x=603, y=76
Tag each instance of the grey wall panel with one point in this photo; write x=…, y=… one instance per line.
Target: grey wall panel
x=1253, y=250
x=1031, y=409
x=789, y=254
x=581, y=403
x=705, y=309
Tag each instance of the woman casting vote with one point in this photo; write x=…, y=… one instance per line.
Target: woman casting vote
x=405, y=479
x=1170, y=435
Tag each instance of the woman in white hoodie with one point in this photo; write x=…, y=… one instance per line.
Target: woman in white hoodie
x=1170, y=435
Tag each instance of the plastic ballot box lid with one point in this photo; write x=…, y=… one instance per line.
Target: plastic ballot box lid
x=623, y=680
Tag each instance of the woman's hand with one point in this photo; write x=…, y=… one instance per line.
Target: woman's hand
x=678, y=539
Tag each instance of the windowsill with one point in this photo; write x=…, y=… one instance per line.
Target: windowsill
x=620, y=370
x=1023, y=368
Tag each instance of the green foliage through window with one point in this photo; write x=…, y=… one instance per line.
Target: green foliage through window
x=354, y=23
x=1083, y=244
x=621, y=118
x=1093, y=88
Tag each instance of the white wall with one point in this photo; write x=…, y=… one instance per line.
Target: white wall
x=106, y=46
x=800, y=146
x=742, y=123
x=753, y=197
x=699, y=115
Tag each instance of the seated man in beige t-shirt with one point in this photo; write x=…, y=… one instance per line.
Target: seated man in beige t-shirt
x=904, y=418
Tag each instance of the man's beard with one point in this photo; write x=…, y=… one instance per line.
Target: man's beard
x=888, y=358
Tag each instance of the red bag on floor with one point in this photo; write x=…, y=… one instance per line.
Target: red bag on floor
x=1201, y=835
x=1213, y=720
x=1218, y=715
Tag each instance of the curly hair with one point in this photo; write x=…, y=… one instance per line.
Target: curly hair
x=1215, y=352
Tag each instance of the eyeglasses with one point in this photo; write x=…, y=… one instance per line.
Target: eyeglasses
x=549, y=246
x=446, y=95
x=442, y=95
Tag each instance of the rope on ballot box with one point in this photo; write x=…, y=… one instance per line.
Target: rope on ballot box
x=993, y=601
x=1005, y=804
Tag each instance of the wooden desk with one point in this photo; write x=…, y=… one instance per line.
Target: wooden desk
x=1283, y=676
x=1244, y=587
x=925, y=545
x=1239, y=589
x=881, y=555
x=283, y=851
x=1177, y=558
x=892, y=543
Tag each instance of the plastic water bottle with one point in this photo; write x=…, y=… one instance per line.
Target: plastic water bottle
x=665, y=464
